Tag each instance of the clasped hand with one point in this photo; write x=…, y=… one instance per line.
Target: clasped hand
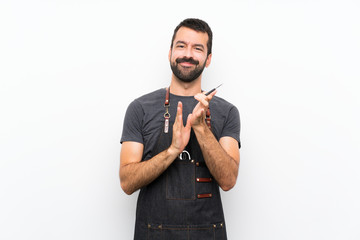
x=181, y=133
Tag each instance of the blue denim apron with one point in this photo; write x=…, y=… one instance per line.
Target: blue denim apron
x=182, y=203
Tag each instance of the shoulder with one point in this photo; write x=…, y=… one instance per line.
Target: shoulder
x=148, y=107
x=221, y=105
x=224, y=113
x=145, y=101
x=152, y=97
x=226, y=118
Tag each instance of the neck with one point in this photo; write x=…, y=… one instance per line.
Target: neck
x=181, y=88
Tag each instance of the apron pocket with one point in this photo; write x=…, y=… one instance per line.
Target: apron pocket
x=182, y=232
x=180, y=180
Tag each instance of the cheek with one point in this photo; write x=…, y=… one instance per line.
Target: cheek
x=173, y=56
x=201, y=60
x=172, y=59
x=200, y=57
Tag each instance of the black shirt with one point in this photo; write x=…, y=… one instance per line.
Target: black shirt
x=144, y=118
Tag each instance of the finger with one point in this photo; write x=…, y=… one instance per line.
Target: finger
x=188, y=122
x=211, y=95
x=199, y=113
x=178, y=118
x=202, y=99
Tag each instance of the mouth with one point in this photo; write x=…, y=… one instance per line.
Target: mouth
x=187, y=64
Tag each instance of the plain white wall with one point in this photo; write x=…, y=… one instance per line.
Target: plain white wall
x=69, y=69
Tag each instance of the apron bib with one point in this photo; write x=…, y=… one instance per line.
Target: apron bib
x=182, y=203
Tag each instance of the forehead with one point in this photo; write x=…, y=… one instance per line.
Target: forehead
x=191, y=36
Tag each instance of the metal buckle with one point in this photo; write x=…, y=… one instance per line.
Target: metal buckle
x=184, y=155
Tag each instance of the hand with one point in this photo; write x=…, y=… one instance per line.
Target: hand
x=181, y=133
x=197, y=117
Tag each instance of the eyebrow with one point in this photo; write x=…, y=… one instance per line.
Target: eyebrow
x=180, y=42
x=199, y=45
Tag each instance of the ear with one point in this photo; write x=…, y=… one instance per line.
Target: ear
x=169, y=54
x=208, y=60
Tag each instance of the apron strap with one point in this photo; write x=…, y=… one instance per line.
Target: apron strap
x=167, y=114
x=167, y=97
x=208, y=118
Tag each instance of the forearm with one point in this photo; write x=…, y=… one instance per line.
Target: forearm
x=221, y=165
x=136, y=175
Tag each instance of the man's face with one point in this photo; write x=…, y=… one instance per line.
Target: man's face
x=188, y=56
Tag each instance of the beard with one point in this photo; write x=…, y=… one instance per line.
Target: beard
x=186, y=74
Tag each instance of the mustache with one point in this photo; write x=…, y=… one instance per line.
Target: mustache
x=189, y=60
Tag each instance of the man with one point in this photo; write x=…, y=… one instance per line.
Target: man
x=179, y=145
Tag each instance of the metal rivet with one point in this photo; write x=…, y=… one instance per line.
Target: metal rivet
x=197, y=164
x=149, y=226
x=214, y=226
x=192, y=161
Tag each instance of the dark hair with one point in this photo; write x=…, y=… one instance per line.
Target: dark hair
x=197, y=25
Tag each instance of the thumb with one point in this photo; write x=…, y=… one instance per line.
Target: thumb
x=188, y=121
x=200, y=113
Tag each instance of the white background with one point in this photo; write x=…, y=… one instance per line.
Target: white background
x=69, y=69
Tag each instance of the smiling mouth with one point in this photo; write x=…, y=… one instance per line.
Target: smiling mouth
x=186, y=64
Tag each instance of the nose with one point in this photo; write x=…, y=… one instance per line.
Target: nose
x=188, y=52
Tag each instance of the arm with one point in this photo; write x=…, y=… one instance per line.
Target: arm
x=223, y=157
x=135, y=174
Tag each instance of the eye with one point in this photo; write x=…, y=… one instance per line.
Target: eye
x=199, y=49
x=180, y=46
